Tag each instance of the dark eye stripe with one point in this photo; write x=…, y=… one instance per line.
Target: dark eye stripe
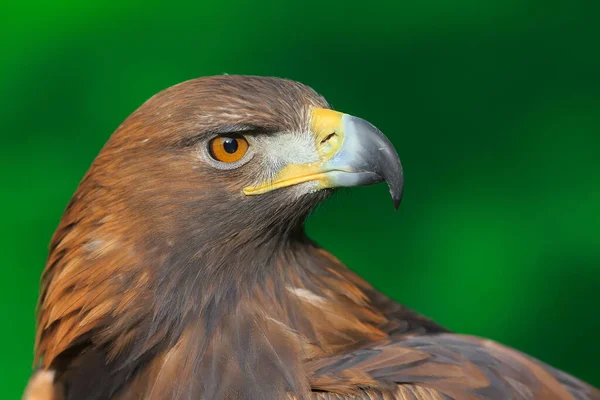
x=228, y=130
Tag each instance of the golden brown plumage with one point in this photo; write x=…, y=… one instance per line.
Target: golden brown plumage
x=175, y=275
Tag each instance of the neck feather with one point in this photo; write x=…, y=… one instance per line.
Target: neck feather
x=139, y=313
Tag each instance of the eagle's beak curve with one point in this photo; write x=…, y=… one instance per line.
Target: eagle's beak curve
x=351, y=152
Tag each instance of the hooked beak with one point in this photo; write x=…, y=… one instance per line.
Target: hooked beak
x=350, y=152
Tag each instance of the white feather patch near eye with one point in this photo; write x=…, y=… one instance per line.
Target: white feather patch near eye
x=292, y=147
x=307, y=295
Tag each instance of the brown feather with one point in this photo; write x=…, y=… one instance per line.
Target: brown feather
x=458, y=367
x=165, y=281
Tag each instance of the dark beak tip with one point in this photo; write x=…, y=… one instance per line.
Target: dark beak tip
x=396, y=198
x=396, y=186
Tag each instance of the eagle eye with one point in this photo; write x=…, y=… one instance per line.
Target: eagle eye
x=228, y=149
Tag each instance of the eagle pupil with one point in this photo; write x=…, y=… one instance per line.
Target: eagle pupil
x=230, y=145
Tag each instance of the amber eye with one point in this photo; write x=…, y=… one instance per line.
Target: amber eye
x=228, y=149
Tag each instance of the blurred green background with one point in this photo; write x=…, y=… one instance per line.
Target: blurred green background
x=493, y=106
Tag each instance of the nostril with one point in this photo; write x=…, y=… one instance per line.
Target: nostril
x=328, y=137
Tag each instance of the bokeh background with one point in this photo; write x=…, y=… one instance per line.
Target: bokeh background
x=494, y=107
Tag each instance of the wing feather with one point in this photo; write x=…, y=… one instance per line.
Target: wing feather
x=446, y=365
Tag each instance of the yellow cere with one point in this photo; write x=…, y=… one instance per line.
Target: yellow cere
x=326, y=125
x=328, y=130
